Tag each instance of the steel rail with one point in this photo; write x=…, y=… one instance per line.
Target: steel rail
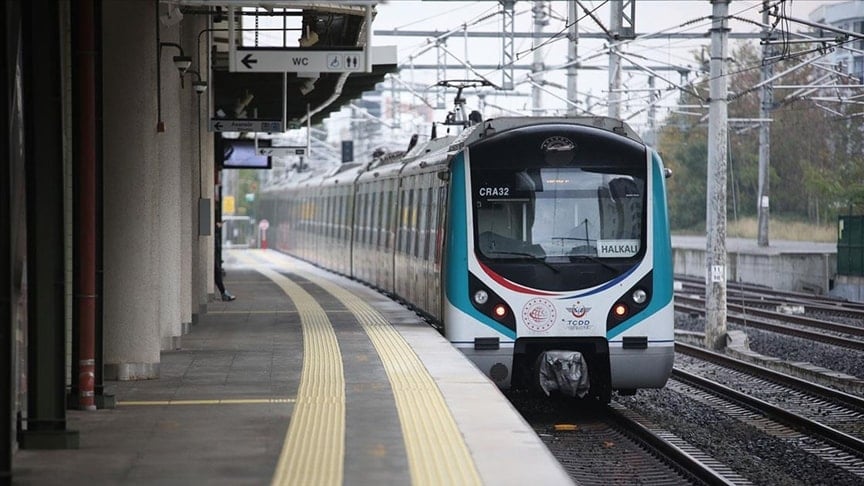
x=793, y=420
x=780, y=329
x=830, y=394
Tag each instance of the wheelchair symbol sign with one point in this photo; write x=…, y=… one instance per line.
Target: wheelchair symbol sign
x=343, y=62
x=334, y=61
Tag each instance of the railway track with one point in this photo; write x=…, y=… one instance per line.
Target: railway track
x=616, y=446
x=838, y=334
x=761, y=296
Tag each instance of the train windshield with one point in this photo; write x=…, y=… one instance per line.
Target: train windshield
x=559, y=212
x=565, y=213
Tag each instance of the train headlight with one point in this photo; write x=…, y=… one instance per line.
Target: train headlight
x=639, y=296
x=620, y=310
x=481, y=297
x=499, y=311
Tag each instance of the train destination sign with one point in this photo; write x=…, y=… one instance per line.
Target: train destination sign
x=297, y=61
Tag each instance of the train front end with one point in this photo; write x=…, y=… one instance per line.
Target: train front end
x=558, y=270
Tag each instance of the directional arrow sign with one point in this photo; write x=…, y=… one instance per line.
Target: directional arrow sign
x=248, y=61
x=281, y=151
x=297, y=61
x=226, y=125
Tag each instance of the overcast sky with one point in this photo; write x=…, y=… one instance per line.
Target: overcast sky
x=651, y=16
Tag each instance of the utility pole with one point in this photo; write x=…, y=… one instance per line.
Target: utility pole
x=715, y=278
x=572, y=56
x=651, y=138
x=541, y=20
x=615, y=21
x=766, y=102
x=440, y=100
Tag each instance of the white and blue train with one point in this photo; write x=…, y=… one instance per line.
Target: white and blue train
x=540, y=246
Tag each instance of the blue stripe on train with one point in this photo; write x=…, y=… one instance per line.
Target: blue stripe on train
x=662, y=246
x=456, y=269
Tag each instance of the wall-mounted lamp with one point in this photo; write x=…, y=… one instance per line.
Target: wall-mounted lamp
x=199, y=85
x=182, y=63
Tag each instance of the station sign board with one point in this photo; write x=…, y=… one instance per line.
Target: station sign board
x=282, y=151
x=297, y=60
x=228, y=125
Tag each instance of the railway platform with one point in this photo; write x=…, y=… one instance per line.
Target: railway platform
x=797, y=266
x=307, y=378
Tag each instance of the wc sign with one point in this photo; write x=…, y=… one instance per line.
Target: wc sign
x=297, y=61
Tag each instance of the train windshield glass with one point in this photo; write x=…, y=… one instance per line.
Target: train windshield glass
x=559, y=214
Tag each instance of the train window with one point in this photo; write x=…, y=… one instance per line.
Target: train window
x=427, y=224
x=557, y=212
x=421, y=223
x=376, y=217
x=369, y=214
x=364, y=220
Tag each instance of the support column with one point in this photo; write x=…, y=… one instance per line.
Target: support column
x=715, y=278
x=203, y=201
x=10, y=164
x=169, y=175
x=44, y=424
x=131, y=192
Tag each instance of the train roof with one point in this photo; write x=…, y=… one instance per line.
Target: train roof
x=493, y=126
x=424, y=156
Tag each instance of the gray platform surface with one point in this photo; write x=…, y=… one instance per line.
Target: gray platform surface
x=220, y=411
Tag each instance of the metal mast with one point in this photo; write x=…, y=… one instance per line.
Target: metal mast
x=541, y=20
x=715, y=284
x=615, y=21
x=507, y=44
x=572, y=56
x=766, y=102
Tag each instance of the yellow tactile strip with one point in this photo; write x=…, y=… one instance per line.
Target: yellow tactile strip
x=437, y=453
x=314, y=448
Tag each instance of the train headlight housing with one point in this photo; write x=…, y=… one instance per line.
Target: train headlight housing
x=631, y=302
x=481, y=297
x=489, y=303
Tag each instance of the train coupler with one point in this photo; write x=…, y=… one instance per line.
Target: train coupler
x=564, y=371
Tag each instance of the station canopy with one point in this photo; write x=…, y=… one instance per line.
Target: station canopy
x=290, y=28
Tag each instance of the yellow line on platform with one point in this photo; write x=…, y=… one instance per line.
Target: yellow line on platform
x=437, y=453
x=314, y=447
x=217, y=401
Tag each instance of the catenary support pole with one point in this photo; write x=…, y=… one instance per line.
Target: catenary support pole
x=572, y=56
x=766, y=101
x=715, y=279
x=616, y=8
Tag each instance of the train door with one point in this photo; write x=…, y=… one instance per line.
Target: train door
x=439, y=199
x=400, y=257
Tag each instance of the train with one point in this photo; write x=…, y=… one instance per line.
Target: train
x=539, y=246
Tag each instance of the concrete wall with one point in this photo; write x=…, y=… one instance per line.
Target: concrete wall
x=808, y=272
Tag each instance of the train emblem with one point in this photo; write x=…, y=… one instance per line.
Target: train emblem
x=539, y=314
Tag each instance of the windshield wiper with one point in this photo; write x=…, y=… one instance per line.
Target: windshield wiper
x=534, y=258
x=598, y=261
